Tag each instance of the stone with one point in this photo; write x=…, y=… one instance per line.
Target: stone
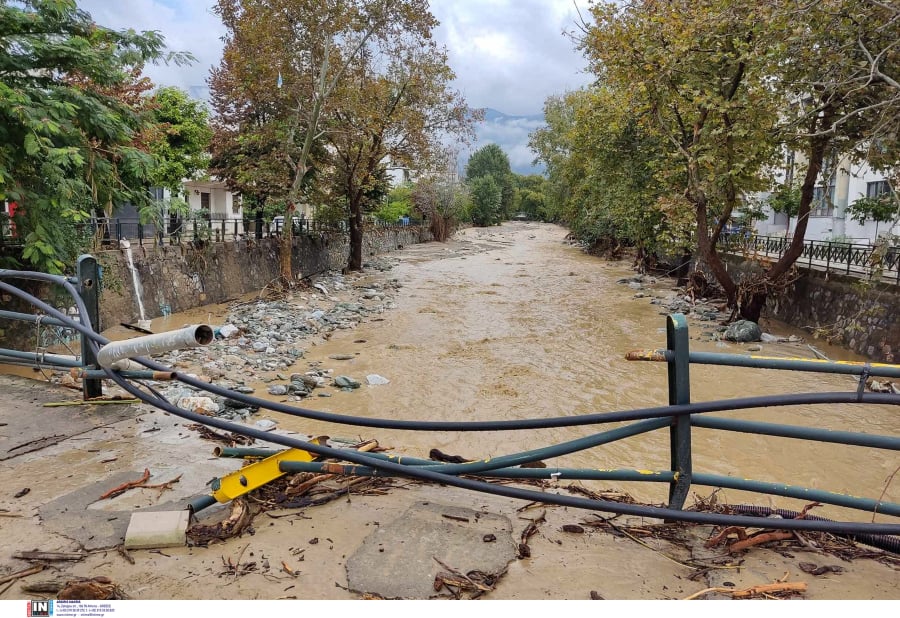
x=278, y=389
x=200, y=405
x=374, y=379
x=743, y=331
x=342, y=356
x=346, y=382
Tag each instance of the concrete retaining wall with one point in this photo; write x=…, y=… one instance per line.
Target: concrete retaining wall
x=863, y=317
x=180, y=277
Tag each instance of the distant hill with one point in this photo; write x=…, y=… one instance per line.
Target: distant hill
x=511, y=134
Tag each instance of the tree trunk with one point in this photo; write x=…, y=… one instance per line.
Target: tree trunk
x=356, y=237
x=711, y=257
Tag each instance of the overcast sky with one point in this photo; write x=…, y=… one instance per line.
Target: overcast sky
x=509, y=55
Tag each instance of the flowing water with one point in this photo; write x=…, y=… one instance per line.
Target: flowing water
x=512, y=322
x=125, y=245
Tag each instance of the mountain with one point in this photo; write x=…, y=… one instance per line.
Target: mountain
x=511, y=134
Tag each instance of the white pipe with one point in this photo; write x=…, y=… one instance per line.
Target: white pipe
x=187, y=337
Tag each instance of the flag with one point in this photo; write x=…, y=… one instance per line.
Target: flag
x=279, y=79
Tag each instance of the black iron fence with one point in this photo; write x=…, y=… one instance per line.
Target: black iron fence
x=830, y=256
x=110, y=231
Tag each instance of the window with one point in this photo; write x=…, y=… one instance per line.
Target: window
x=157, y=194
x=204, y=200
x=877, y=188
x=823, y=202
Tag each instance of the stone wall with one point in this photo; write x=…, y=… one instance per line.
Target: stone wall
x=863, y=317
x=179, y=277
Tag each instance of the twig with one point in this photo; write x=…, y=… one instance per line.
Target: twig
x=237, y=565
x=753, y=591
x=884, y=491
x=115, y=491
x=776, y=535
x=23, y=573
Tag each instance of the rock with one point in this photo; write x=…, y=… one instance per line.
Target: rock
x=265, y=424
x=743, y=331
x=342, y=357
x=200, y=405
x=754, y=348
x=278, y=389
x=346, y=382
x=228, y=330
x=375, y=379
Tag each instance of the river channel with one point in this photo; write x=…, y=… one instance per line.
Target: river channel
x=513, y=322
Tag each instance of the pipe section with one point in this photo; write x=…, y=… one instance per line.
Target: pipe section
x=187, y=337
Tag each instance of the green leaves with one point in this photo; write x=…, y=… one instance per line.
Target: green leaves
x=72, y=122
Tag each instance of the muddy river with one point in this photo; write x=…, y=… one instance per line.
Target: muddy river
x=512, y=322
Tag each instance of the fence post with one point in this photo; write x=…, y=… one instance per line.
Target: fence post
x=679, y=393
x=88, y=274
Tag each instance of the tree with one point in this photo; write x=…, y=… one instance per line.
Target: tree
x=397, y=114
x=727, y=84
x=443, y=202
x=282, y=63
x=70, y=138
x=486, y=200
x=182, y=151
x=490, y=160
x=552, y=145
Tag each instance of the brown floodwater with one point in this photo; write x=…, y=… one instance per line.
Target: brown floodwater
x=512, y=322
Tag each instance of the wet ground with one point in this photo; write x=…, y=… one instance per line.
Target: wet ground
x=500, y=323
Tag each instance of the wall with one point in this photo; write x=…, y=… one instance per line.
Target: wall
x=860, y=317
x=179, y=277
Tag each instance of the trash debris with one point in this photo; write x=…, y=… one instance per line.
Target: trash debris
x=93, y=589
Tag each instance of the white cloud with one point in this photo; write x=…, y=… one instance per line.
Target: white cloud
x=509, y=55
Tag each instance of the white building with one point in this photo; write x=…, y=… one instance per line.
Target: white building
x=840, y=185
x=214, y=197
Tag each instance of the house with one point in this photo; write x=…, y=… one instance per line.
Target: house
x=213, y=197
x=842, y=182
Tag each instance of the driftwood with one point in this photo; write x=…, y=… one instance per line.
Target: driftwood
x=48, y=586
x=237, y=521
x=23, y=573
x=755, y=591
x=115, y=491
x=142, y=483
x=49, y=556
x=523, y=550
x=97, y=588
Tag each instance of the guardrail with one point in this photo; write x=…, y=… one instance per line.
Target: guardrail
x=830, y=256
x=678, y=417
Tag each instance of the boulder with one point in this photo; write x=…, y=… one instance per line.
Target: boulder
x=743, y=331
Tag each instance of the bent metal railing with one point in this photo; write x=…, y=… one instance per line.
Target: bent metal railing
x=830, y=256
x=678, y=417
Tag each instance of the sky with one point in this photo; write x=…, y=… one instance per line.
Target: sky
x=508, y=55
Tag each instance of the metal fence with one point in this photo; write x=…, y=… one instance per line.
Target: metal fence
x=109, y=231
x=830, y=256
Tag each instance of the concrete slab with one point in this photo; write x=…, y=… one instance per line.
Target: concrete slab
x=160, y=529
x=28, y=426
x=71, y=515
x=400, y=560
